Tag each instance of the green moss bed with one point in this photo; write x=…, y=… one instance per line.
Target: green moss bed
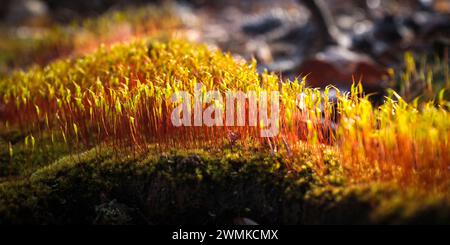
x=204, y=186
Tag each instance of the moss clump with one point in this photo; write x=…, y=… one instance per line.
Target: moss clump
x=194, y=187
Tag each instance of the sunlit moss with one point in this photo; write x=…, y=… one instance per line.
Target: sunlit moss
x=120, y=97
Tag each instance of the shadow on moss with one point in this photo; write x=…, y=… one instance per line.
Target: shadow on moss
x=195, y=188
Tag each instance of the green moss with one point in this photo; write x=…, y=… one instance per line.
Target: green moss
x=26, y=160
x=19, y=159
x=196, y=187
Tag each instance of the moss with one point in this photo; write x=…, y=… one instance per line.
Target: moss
x=25, y=159
x=174, y=188
x=194, y=187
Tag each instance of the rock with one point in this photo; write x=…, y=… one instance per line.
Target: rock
x=339, y=66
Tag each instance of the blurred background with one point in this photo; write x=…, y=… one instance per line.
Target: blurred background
x=398, y=44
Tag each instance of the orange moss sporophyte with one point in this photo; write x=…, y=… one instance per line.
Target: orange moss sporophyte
x=121, y=96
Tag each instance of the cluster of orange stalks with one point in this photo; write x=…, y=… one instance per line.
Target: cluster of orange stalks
x=123, y=97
